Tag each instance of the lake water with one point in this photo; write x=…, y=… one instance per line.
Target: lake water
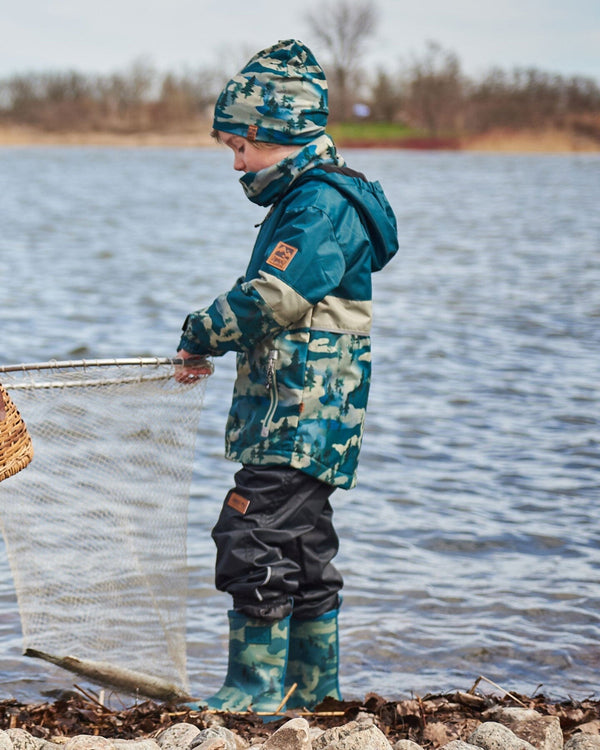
x=471, y=545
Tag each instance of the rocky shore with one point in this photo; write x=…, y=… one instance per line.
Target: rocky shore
x=458, y=721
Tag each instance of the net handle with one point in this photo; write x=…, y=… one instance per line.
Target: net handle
x=84, y=363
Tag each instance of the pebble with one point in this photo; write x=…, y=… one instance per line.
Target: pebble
x=494, y=736
x=297, y=734
x=590, y=727
x=583, y=742
x=543, y=732
x=21, y=740
x=293, y=735
x=216, y=734
x=214, y=743
x=88, y=742
x=510, y=714
x=352, y=736
x=177, y=737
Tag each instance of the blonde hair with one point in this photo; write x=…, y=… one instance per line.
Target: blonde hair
x=257, y=144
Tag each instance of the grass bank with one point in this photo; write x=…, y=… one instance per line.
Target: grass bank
x=392, y=135
x=389, y=135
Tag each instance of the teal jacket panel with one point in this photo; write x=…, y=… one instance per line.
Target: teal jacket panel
x=300, y=321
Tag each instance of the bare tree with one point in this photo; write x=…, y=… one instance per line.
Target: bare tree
x=435, y=90
x=386, y=97
x=344, y=28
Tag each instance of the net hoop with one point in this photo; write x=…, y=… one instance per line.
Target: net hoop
x=145, y=372
x=120, y=361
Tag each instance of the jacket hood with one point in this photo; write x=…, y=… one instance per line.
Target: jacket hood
x=372, y=205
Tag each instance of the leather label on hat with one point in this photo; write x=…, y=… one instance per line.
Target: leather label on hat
x=282, y=255
x=237, y=502
x=252, y=132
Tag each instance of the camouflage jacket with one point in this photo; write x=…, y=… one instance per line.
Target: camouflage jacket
x=299, y=321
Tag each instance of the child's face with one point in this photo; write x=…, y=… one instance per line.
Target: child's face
x=248, y=158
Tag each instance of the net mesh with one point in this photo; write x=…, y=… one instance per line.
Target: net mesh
x=95, y=527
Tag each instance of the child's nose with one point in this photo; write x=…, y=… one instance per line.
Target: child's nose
x=238, y=163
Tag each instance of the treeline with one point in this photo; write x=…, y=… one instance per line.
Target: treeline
x=137, y=99
x=433, y=94
x=429, y=94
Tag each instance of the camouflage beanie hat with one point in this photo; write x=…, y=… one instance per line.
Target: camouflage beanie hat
x=279, y=96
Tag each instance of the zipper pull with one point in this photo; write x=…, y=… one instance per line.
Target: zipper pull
x=273, y=357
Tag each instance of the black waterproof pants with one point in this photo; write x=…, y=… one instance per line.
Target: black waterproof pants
x=275, y=542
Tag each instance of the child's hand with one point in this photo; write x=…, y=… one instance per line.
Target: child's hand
x=199, y=367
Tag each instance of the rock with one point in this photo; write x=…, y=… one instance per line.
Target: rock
x=590, y=727
x=293, y=735
x=352, y=736
x=543, y=732
x=212, y=720
x=215, y=743
x=144, y=744
x=178, y=736
x=406, y=745
x=88, y=742
x=459, y=745
x=315, y=733
x=508, y=715
x=493, y=736
x=582, y=741
x=363, y=717
x=213, y=734
x=21, y=740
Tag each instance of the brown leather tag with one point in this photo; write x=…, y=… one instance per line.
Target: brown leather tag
x=237, y=502
x=282, y=255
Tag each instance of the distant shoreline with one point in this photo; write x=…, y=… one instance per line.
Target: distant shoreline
x=551, y=141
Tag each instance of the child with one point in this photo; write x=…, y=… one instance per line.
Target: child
x=299, y=320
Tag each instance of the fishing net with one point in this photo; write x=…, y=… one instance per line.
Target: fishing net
x=95, y=527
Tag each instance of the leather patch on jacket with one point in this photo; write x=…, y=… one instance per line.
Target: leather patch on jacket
x=282, y=255
x=237, y=502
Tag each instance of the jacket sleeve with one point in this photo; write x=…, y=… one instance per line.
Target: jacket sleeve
x=301, y=263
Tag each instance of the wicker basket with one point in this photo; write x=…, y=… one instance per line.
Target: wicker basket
x=16, y=450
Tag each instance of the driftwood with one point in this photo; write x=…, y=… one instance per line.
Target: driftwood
x=126, y=680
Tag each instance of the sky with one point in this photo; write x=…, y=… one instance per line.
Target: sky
x=105, y=36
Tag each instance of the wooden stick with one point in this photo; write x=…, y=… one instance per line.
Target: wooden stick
x=270, y=713
x=498, y=687
x=286, y=697
x=91, y=698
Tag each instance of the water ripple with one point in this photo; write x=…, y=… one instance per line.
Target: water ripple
x=471, y=544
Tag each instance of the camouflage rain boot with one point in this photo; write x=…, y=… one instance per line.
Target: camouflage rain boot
x=313, y=660
x=257, y=660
